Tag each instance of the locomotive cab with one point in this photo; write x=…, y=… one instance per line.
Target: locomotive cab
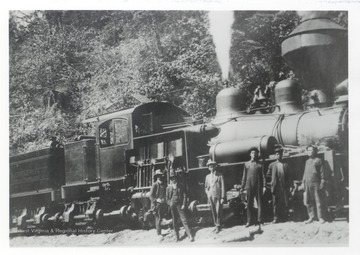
x=105, y=185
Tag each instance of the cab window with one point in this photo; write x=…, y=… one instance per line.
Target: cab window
x=114, y=132
x=175, y=147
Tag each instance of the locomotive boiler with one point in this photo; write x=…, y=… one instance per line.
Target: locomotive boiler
x=317, y=51
x=106, y=179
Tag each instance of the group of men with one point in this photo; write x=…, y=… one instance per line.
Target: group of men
x=253, y=183
x=173, y=195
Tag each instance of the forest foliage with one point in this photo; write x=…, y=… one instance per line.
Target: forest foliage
x=67, y=66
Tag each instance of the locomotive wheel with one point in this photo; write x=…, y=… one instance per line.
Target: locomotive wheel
x=131, y=217
x=149, y=221
x=129, y=211
x=192, y=206
x=99, y=217
x=123, y=211
x=57, y=217
x=44, y=220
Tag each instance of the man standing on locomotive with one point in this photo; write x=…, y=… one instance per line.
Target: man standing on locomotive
x=254, y=182
x=176, y=199
x=215, y=191
x=281, y=183
x=313, y=183
x=157, y=197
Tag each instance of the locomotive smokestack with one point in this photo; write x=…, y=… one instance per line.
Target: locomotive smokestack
x=317, y=52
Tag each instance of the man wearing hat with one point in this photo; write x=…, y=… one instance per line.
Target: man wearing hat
x=254, y=182
x=314, y=183
x=215, y=191
x=281, y=183
x=176, y=199
x=157, y=197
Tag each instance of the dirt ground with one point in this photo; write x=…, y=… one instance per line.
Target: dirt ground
x=284, y=234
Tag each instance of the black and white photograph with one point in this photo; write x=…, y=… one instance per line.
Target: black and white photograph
x=179, y=127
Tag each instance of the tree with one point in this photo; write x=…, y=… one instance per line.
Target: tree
x=256, y=51
x=66, y=66
x=46, y=64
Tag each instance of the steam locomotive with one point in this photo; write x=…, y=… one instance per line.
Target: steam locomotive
x=106, y=178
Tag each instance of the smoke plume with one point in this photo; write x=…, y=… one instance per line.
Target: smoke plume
x=220, y=29
x=304, y=15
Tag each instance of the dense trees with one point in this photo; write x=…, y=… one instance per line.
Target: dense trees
x=66, y=66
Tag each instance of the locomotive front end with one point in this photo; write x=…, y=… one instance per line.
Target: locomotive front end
x=309, y=110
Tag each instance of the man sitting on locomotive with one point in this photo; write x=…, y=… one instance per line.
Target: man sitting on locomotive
x=157, y=197
x=261, y=95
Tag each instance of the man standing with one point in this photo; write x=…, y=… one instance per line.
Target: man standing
x=176, y=199
x=157, y=197
x=254, y=182
x=281, y=183
x=215, y=191
x=313, y=183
